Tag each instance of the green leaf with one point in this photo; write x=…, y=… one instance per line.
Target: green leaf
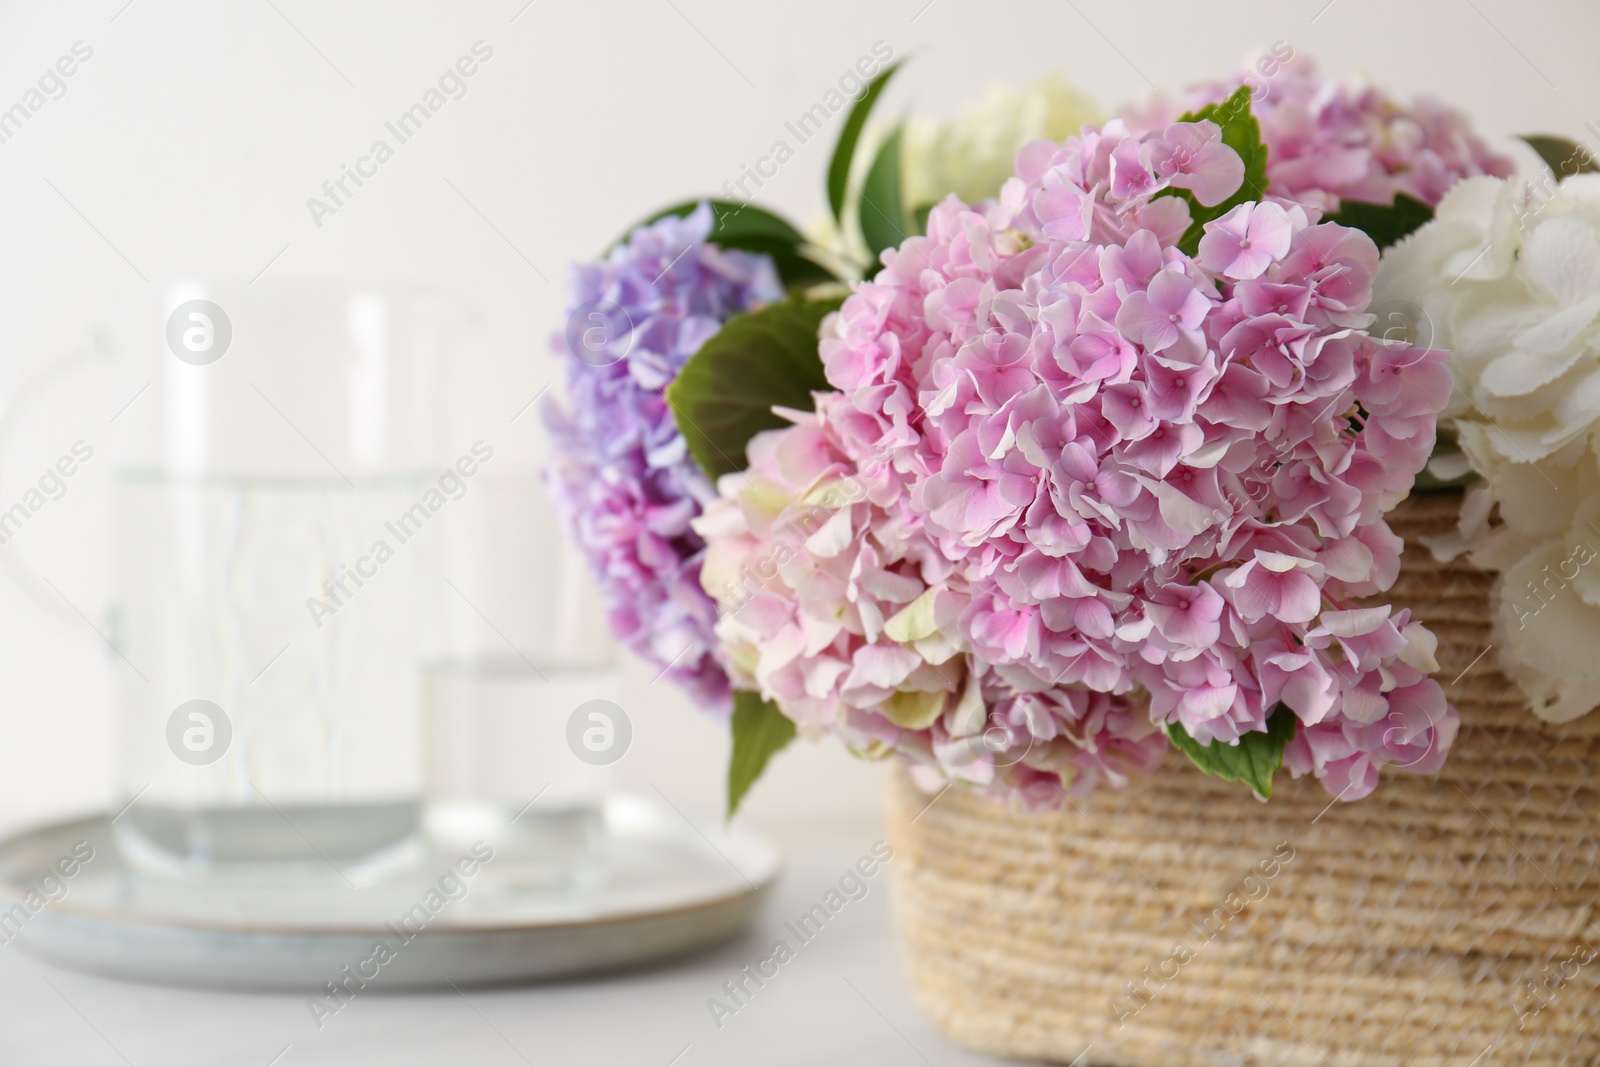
x=736, y=221
x=1242, y=133
x=844, y=152
x=795, y=269
x=725, y=393
x=752, y=229
x=1562, y=156
x=883, y=219
x=759, y=731
x=1252, y=761
x=1386, y=224
x=920, y=216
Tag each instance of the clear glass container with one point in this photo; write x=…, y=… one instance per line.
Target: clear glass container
x=276, y=565
x=522, y=711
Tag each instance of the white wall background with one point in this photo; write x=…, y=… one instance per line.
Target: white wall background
x=190, y=141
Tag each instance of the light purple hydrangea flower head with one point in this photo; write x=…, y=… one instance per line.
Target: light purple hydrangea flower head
x=621, y=475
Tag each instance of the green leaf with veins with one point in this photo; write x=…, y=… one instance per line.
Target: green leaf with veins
x=845, y=151
x=883, y=220
x=1562, y=156
x=726, y=391
x=1242, y=133
x=1386, y=224
x=752, y=229
x=759, y=731
x=1252, y=761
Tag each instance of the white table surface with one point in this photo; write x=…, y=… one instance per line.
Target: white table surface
x=843, y=1000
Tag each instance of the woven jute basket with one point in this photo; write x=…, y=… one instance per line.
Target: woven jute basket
x=1448, y=919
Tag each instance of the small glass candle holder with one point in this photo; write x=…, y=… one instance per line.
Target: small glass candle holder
x=522, y=720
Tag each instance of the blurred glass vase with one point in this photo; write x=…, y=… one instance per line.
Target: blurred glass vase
x=274, y=574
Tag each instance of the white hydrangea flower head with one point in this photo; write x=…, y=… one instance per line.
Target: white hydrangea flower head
x=974, y=153
x=1507, y=277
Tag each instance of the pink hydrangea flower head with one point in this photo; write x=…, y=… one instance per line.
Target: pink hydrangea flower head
x=1076, y=488
x=1329, y=140
x=1246, y=241
x=842, y=610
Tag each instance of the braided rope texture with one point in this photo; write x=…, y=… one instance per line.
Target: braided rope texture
x=1444, y=921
